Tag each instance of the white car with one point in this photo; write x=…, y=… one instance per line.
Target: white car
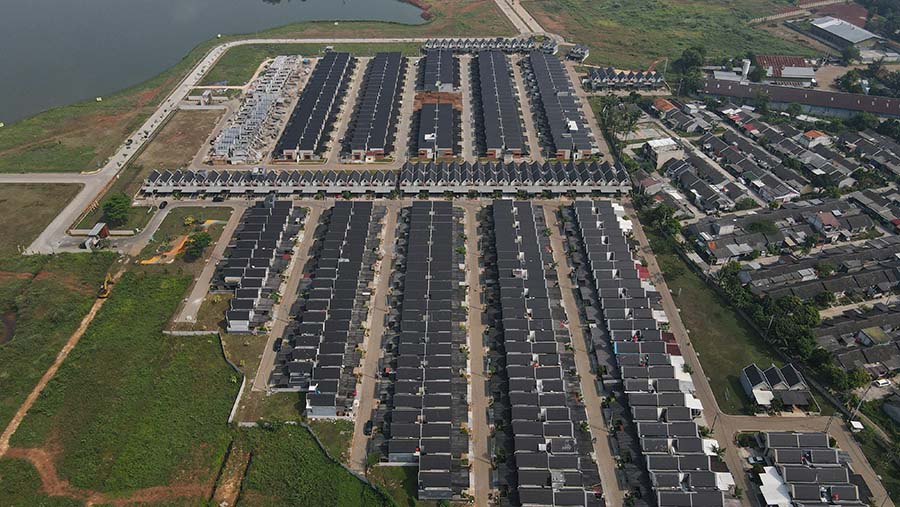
x=881, y=383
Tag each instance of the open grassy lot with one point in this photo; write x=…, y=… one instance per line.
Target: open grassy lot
x=634, y=33
x=20, y=486
x=27, y=209
x=183, y=222
x=880, y=459
x=84, y=135
x=175, y=146
x=724, y=342
x=131, y=407
x=43, y=300
x=288, y=468
x=335, y=436
x=401, y=483
x=239, y=64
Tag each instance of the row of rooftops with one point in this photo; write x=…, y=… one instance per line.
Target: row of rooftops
x=372, y=128
x=866, y=339
x=316, y=110
x=683, y=469
x=567, y=134
x=806, y=470
x=544, y=434
x=508, y=44
x=421, y=421
x=249, y=257
x=593, y=175
x=499, y=111
x=609, y=77
x=315, y=355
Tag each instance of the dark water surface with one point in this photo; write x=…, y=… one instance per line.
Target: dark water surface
x=55, y=52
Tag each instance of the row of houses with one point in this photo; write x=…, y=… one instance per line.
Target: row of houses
x=804, y=469
x=506, y=44
x=624, y=322
x=610, y=78
x=867, y=339
x=786, y=229
x=413, y=178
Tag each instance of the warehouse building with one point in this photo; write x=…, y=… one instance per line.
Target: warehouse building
x=841, y=34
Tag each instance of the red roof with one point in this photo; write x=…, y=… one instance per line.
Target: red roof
x=663, y=105
x=779, y=62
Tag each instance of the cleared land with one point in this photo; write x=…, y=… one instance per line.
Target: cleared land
x=335, y=436
x=27, y=209
x=238, y=65
x=82, y=136
x=173, y=147
x=133, y=408
x=181, y=222
x=20, y=486
x=724, y=342
x=288, y=468
x=42, y=301
x=401, y=483
x=635, y=33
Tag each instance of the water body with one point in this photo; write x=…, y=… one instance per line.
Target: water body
x=56, y=52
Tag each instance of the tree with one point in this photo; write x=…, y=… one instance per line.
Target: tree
x=745, y=204
x=116, y=208
x=794, y=109
x=858, y=378
x=863, y=121
x=196, y=244
x=756, y=74
x=849, y=54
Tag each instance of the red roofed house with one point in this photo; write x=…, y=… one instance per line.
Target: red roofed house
x=663, y=107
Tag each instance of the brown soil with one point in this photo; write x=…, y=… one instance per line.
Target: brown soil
x=453, y=98
x=229, y=485
x=69, y=281
x=53, y=485
x=7, y=326
x=14, y=275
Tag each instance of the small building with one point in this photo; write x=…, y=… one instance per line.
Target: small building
x=785, y=384
x=99, y=232
x=660, y=151
x=812, y=138
x=579, y=53
x=663, y=107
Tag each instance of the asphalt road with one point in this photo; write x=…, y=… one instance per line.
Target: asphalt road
x=372, y=346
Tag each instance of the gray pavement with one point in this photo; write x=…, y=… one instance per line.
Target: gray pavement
x=372, y=346
x=592, y=399
x=468, y=123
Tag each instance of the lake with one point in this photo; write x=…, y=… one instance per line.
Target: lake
x=56, y=52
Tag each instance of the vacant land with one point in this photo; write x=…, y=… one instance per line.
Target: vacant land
x=636, y=33
x=335, y=436
x=174, y=147
x=178, y=224
x=239, y=64
x=401, y=483
x=724, y=342
x=133, y=408
x=84, y=135
x=20, y=486
x=42, y=301
x=27, y=209
x=288, y=468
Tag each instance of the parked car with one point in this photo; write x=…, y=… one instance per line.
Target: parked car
x=277, y=345
x=163, y=204
x=882, y=382
x=367, y=429
x=756, y=460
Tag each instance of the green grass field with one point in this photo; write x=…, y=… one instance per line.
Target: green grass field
x=174, y=226
x=288, y=468
x=401, y=483
x=84, y=135
x=46, y=298
x=335, y=436
x=724, y=342
x=237, y=66
x=131, y=407
x=20, y=486
x=27, y=209
x=634, y=33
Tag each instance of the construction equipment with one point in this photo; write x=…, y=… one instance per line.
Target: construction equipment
x=105, y=287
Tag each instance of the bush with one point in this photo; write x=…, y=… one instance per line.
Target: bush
x=116, y=208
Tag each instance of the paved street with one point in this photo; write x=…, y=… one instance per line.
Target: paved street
x=198, y=293
x=588, y=113
x=468, y=123
x=478, y=400
x=592, y=398
x=281, y=312
x=365, y=389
